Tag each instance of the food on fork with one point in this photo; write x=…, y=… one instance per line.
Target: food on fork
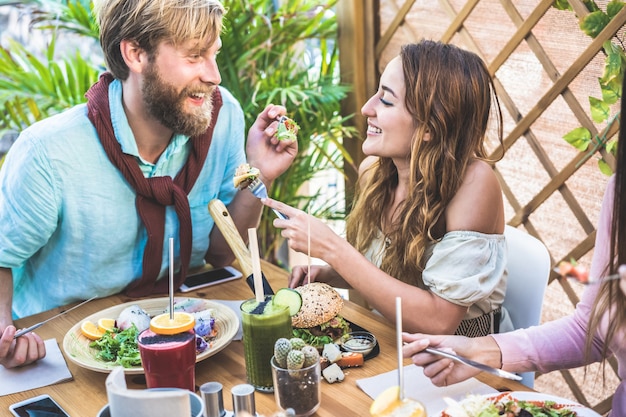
x=318, y=322
x=244, y=175
x=573, y=270
x=287, y=129
x=389, y=404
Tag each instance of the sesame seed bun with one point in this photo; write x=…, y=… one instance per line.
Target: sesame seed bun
x=320, y=303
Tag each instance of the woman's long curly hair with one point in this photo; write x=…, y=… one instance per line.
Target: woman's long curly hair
x=611, y=300
x=450, y=95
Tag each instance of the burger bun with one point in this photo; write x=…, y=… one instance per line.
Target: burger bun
x=320, y=303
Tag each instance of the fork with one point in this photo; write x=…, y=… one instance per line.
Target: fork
x=477, y=365
x=590, y=280
x=260, y=191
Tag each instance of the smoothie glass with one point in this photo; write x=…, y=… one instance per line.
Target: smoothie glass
x=169, y=361
x=263, y=323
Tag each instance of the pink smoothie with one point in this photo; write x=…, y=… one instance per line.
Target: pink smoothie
x=168, y=360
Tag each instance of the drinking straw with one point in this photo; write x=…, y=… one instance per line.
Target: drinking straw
x=256, y=265
x=399, y=346
x=172, y=278
x=308, y=243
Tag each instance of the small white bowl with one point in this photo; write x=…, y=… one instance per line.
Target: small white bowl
x=360, y=342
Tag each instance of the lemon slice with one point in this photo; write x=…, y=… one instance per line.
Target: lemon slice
x=385, y=401
x=91, y=331
x=105, y=324
x=162, y=324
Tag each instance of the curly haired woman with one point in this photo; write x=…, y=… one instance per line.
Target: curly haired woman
x=428, y=218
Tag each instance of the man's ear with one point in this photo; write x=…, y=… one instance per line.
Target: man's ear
x=134, y=56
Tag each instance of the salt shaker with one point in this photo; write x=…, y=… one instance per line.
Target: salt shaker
x=213, y=400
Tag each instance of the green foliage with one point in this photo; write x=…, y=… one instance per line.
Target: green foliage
x=610, y=82
x=289, y=56
x=32, y=89
x=285, y=56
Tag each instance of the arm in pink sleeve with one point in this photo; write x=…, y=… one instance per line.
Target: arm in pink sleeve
x=560, y=344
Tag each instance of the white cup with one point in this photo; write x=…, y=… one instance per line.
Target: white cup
x=195, y=402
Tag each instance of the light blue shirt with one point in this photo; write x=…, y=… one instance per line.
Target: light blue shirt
x=69, y=228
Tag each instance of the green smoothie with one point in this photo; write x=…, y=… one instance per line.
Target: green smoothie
x=262, y=323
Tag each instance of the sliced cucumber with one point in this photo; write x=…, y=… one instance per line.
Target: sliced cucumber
x=289, y=298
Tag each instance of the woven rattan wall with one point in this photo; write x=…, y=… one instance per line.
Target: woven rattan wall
x=545, y=69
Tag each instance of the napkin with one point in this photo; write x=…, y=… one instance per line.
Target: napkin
x=125, y=402
x=234, y=305
x=46, y=371
x=419, y=387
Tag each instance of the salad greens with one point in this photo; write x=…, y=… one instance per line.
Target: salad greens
x=504, y=405
x=119, y=347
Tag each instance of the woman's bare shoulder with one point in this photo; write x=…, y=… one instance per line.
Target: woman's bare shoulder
x=478, y=203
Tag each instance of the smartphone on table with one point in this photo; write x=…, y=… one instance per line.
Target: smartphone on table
x=209, y=277
x=41, y=405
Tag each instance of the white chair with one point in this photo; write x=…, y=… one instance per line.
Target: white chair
x=528, y=268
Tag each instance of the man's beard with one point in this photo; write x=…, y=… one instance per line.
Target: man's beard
x=168, y=106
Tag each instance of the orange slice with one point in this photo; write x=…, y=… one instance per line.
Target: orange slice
x=105, y=324
x=91, y=331
x=385, y=401
x=388, y=403
x=162, y=324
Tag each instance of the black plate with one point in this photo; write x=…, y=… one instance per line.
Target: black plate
x=357, y=328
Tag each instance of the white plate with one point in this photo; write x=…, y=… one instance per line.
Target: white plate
x=76, y=346
x=581, y=410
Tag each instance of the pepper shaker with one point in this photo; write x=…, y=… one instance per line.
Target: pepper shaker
x=243, y=399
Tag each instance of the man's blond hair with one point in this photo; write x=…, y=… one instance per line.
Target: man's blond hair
x=150, y=22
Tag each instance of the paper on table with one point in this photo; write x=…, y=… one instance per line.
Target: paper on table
x=125, y=402
x=47, y=371
x=419, y=387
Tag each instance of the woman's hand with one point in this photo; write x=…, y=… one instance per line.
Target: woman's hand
x=22, y=351
x=305, y=233
x=622, y=274
x=300, y=275
x=444, y=371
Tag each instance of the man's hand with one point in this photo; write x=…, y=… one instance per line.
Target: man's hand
x=22, y=351
x=263, y=149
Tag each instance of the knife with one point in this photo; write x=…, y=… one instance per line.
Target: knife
x=477, y=365
x=225, y=223
x=35, y=326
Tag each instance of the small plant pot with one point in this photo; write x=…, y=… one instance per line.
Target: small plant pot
x=298, y=389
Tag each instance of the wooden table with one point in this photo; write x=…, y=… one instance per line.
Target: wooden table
x=85, y=395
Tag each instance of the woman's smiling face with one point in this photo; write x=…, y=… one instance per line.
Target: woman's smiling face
x=390, y=127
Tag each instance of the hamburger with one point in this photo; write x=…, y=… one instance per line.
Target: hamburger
x=318, y=322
